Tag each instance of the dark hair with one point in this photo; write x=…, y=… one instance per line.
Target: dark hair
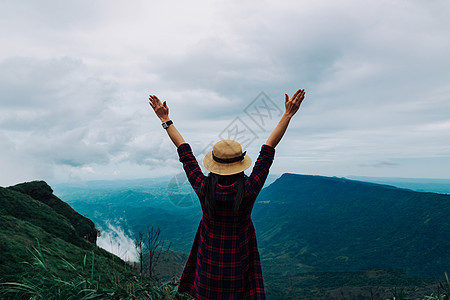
x=210, y=190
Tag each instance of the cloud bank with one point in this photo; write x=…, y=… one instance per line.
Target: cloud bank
x=74, y=81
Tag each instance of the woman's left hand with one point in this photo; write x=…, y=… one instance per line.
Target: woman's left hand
x=161, y=109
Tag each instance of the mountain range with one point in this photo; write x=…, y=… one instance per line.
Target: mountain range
x=305, y=225
x=340, y=225
x=316, y=235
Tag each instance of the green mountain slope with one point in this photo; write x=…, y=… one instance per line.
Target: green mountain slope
x=30, y=213
x=48, y=251
x=314, y=223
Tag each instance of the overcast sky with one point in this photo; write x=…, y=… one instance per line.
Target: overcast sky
x=75, y=78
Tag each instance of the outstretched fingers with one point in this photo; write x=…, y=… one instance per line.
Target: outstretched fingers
x=151, y=103
x=154, y=101
x=299, y=95
x=296, y=94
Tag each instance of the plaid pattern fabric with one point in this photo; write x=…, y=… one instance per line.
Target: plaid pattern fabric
x=224, y=261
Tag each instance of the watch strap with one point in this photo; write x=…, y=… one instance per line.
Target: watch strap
x=166, y=124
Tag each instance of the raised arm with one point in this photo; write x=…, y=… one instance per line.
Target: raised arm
x=162, y=111
x=292, y=107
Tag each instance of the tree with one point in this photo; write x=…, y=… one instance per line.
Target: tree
x=139, y=244
x=154, y=248
x=149, y=245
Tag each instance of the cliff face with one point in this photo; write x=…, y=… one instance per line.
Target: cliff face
x=34, y=202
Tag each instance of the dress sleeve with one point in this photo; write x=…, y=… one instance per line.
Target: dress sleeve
x=194, y=173
x=260, y=171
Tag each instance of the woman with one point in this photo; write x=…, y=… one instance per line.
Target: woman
x=224, y=261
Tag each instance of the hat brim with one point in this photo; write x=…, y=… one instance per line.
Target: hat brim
x=226, y=169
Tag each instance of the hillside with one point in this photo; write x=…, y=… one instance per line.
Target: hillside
x=48, y=251
x=31, y=214
x=313, y=223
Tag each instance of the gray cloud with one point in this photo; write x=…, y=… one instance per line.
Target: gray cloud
x=57, y=113
x=381, y=164
x=74, y=81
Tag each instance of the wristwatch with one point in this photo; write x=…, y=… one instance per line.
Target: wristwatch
x=166, y=124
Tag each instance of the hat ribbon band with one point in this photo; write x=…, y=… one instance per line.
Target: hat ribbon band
x=228, y=160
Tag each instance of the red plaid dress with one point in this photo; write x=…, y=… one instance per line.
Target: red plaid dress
x=224, y=261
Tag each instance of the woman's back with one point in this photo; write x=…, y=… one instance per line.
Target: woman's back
x=224, y=260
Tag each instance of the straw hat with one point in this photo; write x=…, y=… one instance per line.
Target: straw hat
x=227, y=158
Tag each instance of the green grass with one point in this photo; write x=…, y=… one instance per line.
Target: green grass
x=443, y=290
x=61, y=279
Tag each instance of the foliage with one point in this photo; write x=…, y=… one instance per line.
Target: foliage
x=35, y=203
x=23, y=219
x=443, y=290
x=40, y=281
x=41, y=191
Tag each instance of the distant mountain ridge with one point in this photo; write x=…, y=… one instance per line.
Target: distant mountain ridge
x=334, y=224
x=441, y=186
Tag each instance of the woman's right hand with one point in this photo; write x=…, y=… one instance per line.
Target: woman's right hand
x=293, y=104
x=292, y=107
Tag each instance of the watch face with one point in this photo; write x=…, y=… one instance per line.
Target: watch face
x=166, y=125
